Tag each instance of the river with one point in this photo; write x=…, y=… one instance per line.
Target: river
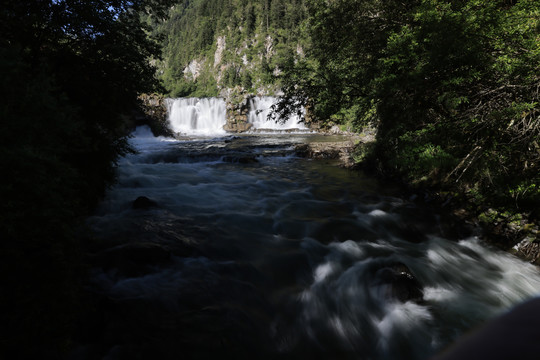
x=240, y=249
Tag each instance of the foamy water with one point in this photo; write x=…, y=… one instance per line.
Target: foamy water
x=272, y=255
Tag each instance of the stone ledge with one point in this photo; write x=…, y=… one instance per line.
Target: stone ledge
x=336, y=150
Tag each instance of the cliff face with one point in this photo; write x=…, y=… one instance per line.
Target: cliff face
x=154, y=114
x=212, y=46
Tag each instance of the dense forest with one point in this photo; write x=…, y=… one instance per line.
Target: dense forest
x=452, y=88
x=214, y=45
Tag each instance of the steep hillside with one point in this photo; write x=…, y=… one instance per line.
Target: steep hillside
x=214, y=45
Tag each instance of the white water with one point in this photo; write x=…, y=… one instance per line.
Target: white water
x=207, y=116
x=260, y=108
x=197, y=116
x=284, y=257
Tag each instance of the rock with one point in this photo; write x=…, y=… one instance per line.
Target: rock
x=237, y=101
x=240, y=159
x=218, y=55
x=143, y=203
x=335, y=130
x=154, y=114
x=335, y=150
x=396, y=281
x=193, y=70
x=237, y=126
x=529, y=248
x=319, y=150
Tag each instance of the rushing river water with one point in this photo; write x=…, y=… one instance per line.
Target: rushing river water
x=243, y=250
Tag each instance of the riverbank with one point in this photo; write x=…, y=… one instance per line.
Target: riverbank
x=348, y=151
x=510, y=231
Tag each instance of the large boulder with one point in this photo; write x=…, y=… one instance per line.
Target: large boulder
x=337, y=150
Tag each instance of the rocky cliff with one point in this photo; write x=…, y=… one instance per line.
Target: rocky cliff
x=237, y=111
x=154, y=114
x=216, y=45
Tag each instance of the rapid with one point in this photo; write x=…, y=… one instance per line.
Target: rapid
x=214, y=245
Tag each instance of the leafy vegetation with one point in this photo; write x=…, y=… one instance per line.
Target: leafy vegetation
x=452, y=87
x=217, y=44
x=71, y=73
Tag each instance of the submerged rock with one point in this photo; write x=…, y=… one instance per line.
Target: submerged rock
x=240, y=159
x=142, y=202
x=396, y=281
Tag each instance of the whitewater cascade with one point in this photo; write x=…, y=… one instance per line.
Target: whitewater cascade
x=197, y=116
x=207, y=116
x=260, y=107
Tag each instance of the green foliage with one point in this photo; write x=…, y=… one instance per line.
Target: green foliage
x=71, y=72
x=258, y=38
x=346, y=39
x=246, y=81
x=453, y=84
x=183, y=88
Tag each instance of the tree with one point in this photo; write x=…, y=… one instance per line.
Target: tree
x=458, y=100
x=450, y=85
x=71, y=74
x=249, y=27
x=346, y=39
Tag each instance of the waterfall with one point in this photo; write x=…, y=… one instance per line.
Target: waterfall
x=197, y=116
x=258, y=115
x=207, y=116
